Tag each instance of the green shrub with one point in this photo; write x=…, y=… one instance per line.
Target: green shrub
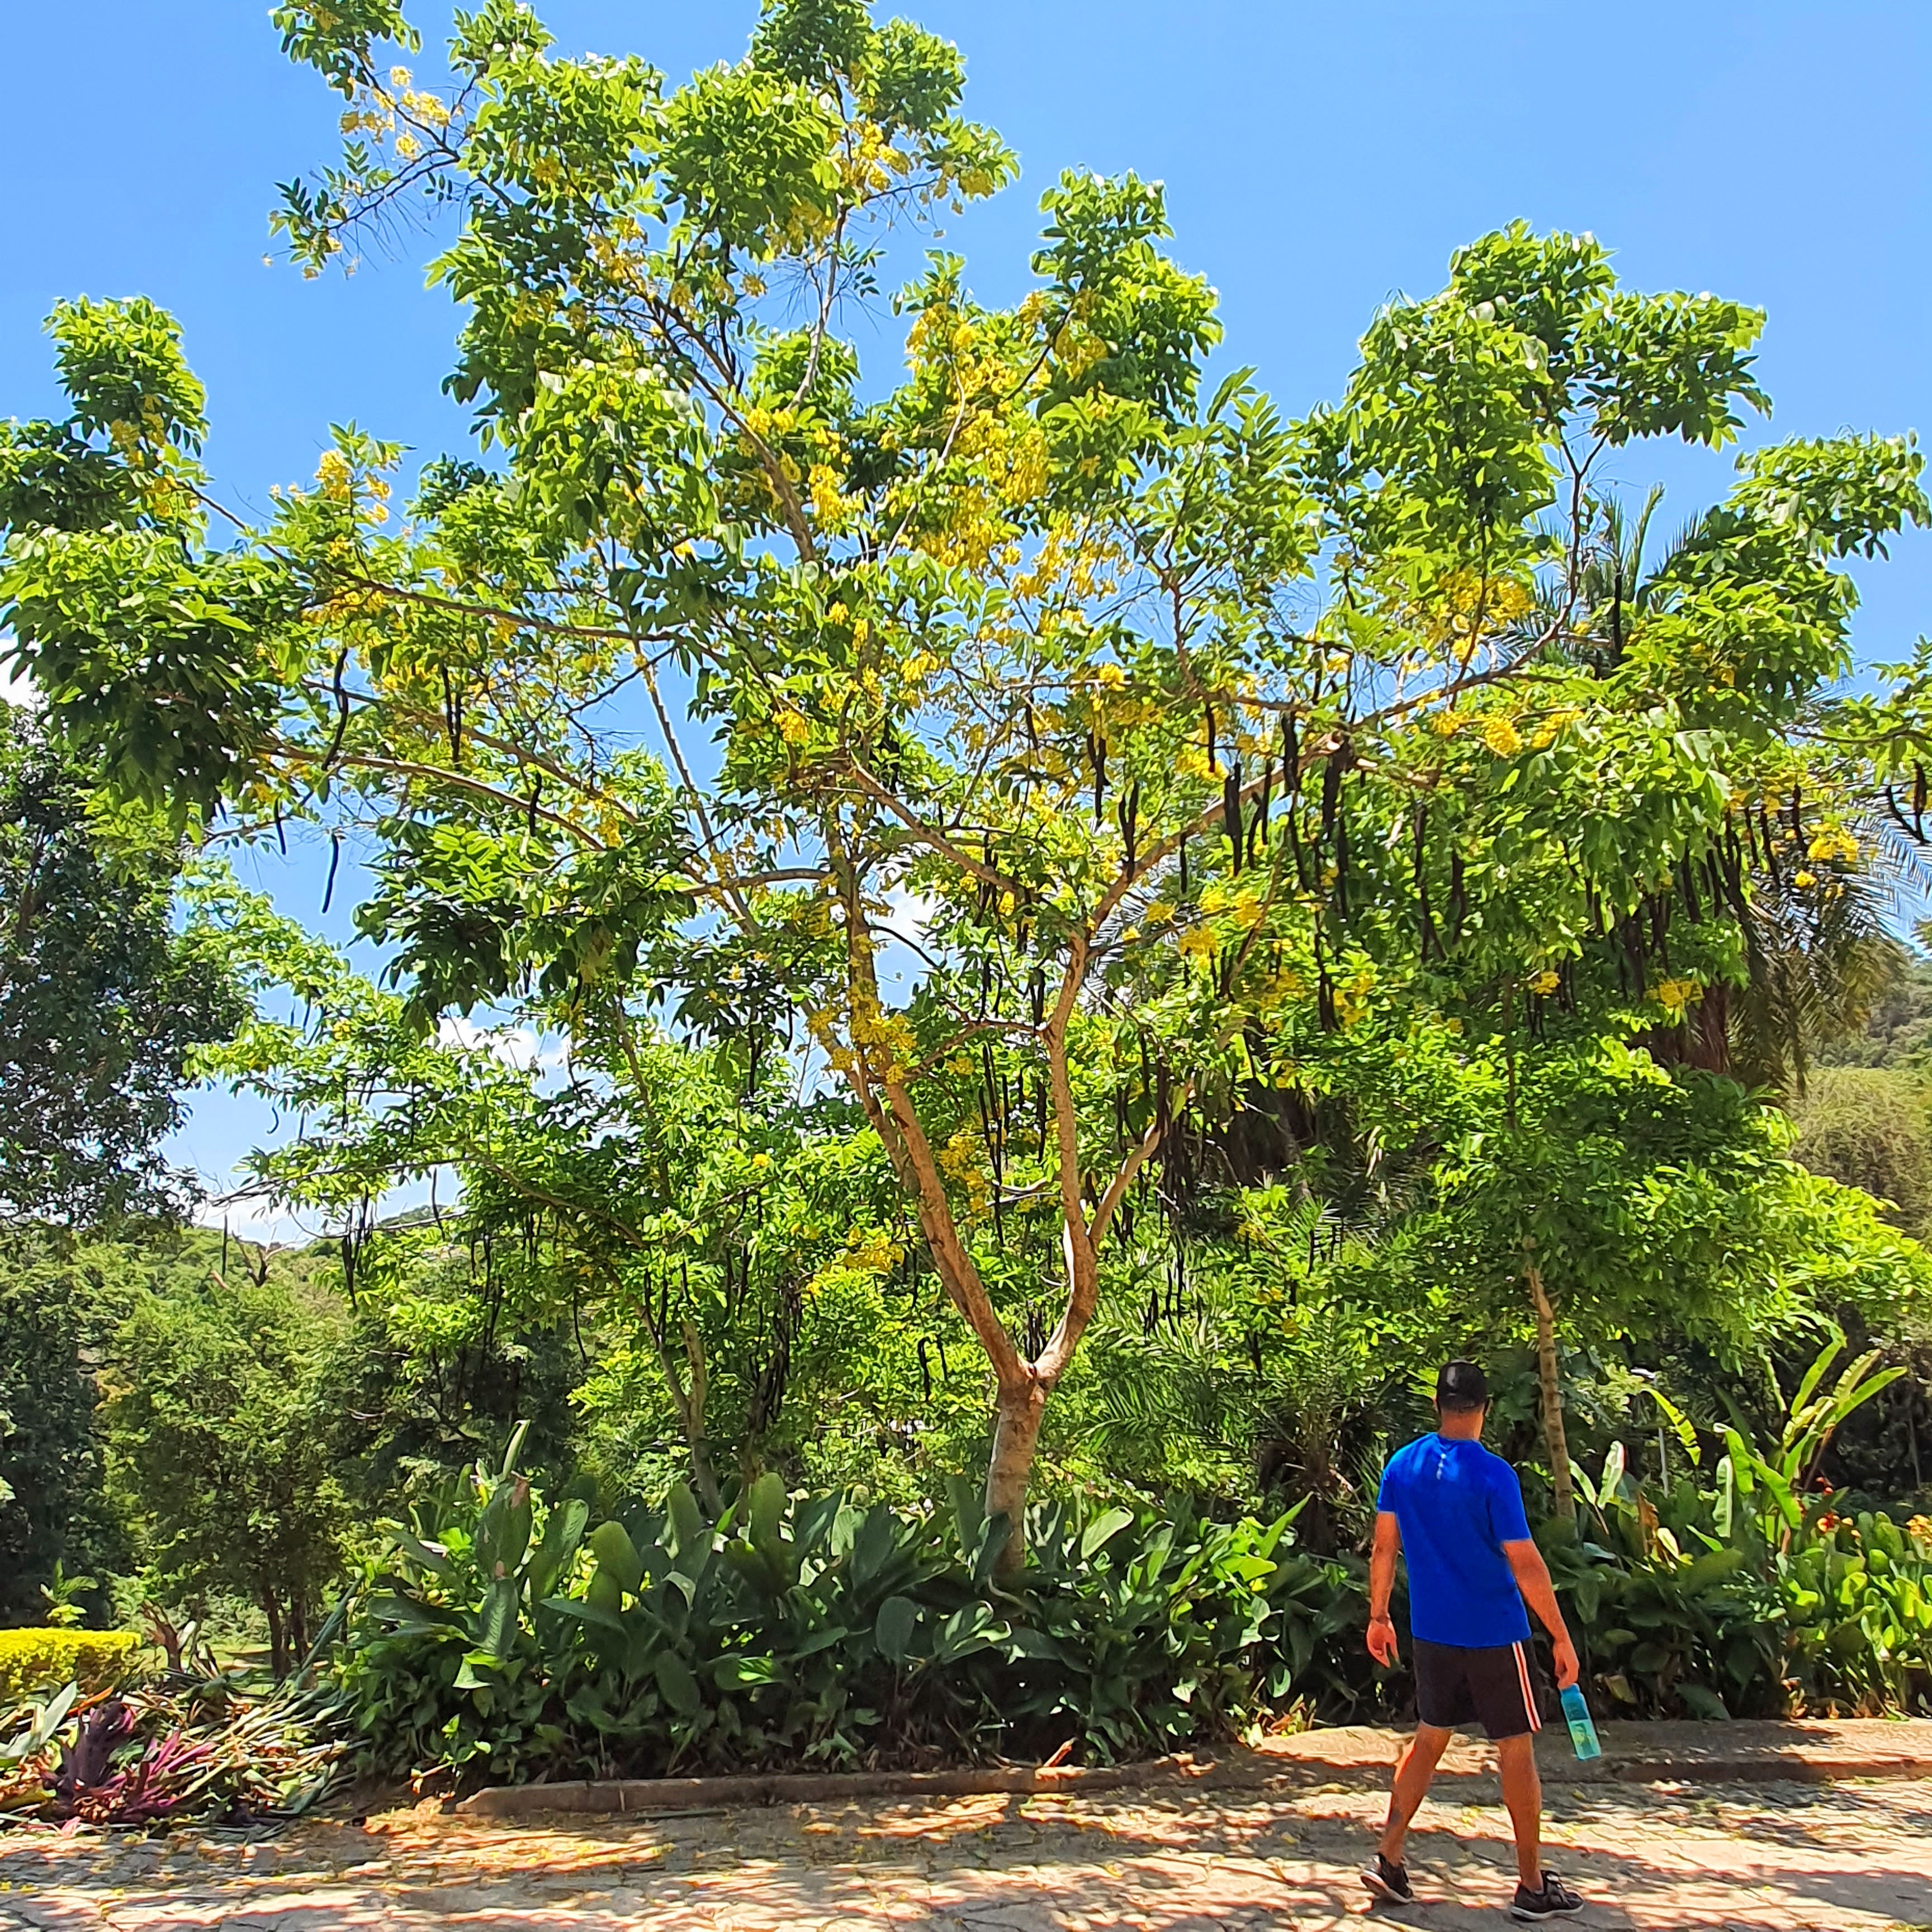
x=503, y=1636
x=1750, y=1595
x=34, y=1661
x=506, y=1638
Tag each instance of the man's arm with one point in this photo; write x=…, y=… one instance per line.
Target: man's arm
x=1381, y=1581
x=1532, y=1579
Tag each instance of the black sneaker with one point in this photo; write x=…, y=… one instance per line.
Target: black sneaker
x=1389, y=1881
x=1556, y=1900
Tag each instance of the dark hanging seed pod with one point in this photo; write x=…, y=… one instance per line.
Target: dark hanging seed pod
x=1770, y=845
x=1230, y=815
x=1694, y=910
x=1291, y=818
x=1919, y=799
x=1633, y=945
x=1291, y=757
x=1425, y=923
x=1331, y=793
x=1898, y=818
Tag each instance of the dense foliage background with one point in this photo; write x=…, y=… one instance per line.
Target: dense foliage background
x=1366, y=894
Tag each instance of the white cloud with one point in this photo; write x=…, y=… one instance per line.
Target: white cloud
x=910, y=913
x=514, y=1046
x=15, y=689
x=261, y=1218
x=909, y=917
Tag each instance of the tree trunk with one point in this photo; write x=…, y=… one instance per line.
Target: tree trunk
x=278, y=1642
x=702, y=1475
x=1016, y=1419
x=1562, y=1492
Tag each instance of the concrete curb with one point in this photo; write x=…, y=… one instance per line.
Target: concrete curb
x=1355, y=1756
x=627, y=1794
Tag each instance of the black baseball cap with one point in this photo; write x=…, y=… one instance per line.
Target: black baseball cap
x=1461, y=1384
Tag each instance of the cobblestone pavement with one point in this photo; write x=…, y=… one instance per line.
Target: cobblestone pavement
x=1847, y=1857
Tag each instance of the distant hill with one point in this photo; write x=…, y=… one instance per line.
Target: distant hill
x=1899, y=1033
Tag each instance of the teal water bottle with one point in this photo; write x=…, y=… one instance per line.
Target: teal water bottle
x=1582, y=1731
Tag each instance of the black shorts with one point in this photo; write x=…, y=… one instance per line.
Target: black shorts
x=1496, y=1686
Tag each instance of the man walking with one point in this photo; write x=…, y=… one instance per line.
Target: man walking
x=1456, y=1512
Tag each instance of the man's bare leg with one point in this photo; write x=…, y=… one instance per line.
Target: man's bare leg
x=1412, y=1774
x=1522, y=1793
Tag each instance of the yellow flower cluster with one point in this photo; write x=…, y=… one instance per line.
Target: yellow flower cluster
x=886, y=1039
x=1552, y=727
x=1352, y=997
x=1470, y=603
x=1833, y=844
x=1676, y=995
x=873, y=1252
x=835, y=510
x=334, y=476
x=960, y=1161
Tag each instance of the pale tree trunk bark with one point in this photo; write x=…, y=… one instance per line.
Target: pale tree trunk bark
x=882, y=1090
x=689, y=1403
x=880, y=1087
x=1563, y=1494
x=703, y=1477
x=1017, y=1414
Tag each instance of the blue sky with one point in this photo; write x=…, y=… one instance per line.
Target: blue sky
x=1318, y=158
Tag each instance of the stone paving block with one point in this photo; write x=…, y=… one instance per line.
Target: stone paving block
x=1677, y=1857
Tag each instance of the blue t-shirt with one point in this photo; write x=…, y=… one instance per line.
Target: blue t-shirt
x=1457, y=1506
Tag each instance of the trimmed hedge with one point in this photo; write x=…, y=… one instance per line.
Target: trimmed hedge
x=33, y=1662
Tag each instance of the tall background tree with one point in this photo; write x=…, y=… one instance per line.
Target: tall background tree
x=1173, y=740
x=102, y=1000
